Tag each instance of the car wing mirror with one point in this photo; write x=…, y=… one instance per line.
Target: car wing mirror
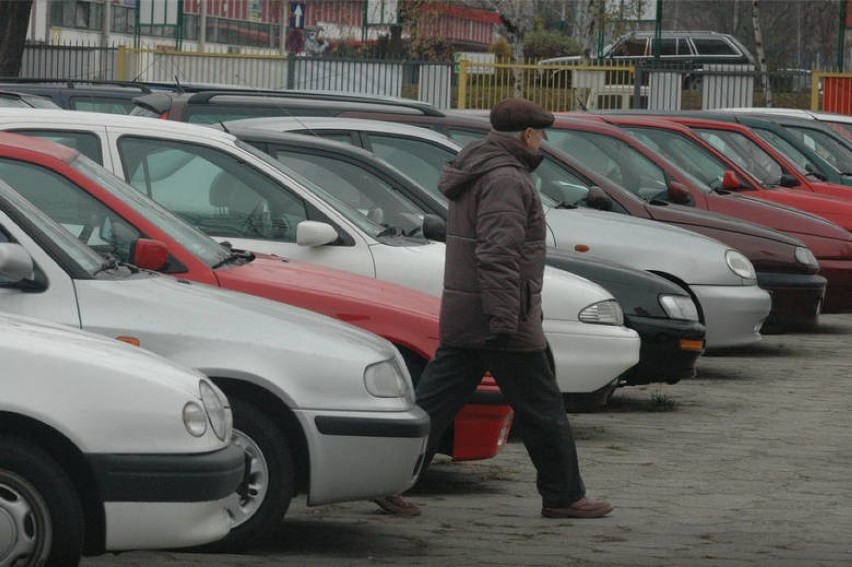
x=314, y=233
x=148, y=254
x=16, y=264
x=788, y=180
x=731, y=181
x=598, y=199
x=679, y=193
x=434, y=228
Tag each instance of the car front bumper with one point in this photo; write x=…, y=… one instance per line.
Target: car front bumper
x=733, y=315
x=588, y=357
x=362, y=455
x=796, y=300
x=669, y=352
x=166, y=500
x=838, y=293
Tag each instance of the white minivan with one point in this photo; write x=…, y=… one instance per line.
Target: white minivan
x=321, y=407
x=103, y=446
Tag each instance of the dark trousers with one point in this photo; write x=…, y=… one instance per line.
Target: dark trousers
x=529, y=386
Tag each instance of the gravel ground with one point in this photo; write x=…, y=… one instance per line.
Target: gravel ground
x=750, y=463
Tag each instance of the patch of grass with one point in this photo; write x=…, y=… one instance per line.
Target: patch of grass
x=661, y=402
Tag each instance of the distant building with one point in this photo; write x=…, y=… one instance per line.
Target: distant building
x=247, y=25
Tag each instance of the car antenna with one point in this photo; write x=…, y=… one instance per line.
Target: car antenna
x=178, y=85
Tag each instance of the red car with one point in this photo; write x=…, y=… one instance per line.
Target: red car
x=684, y=174
x=767, y=173
x=161, y=241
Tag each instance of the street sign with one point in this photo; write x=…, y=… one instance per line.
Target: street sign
x=297, y=15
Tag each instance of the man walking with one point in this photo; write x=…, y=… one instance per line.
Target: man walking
x=491, y=317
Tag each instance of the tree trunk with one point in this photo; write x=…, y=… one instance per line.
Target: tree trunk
x=760, y=53
x=14, y=21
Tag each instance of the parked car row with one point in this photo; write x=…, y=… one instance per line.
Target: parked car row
x=293, y=283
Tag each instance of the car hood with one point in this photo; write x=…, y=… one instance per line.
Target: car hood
x=230, y=334
x=831, y=208
x=344, y=295
x=792, y=220
x=643, y=244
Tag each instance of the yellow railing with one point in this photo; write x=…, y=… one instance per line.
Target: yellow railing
x=555, y=87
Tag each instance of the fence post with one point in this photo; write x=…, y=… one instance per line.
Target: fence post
x=291, y=71
x=121, y=63
x=463, y=67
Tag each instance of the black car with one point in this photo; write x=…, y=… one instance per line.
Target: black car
x=114, y=97
x=669, y=347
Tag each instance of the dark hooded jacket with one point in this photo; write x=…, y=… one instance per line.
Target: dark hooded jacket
x=495, y=258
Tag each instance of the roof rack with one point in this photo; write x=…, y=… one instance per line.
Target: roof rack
x=427, y=109
x=75, y=83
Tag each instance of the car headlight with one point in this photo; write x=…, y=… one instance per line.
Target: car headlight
x=218, y=409
x=195, y=419
x=603, y=313
x=679, y=307
x=740, y=265
x=805, y=257
x=386, y=380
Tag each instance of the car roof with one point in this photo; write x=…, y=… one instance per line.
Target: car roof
x=161, y=101
x=336, y=123
x=50, y=117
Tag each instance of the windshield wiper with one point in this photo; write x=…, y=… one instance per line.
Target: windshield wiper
x=109, y=263
x=390, y=230
x=564, y=205
x=235, y=256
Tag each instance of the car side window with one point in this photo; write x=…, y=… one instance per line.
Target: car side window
x=464, y=137
x=71, y=206
x=713, y=47
x=630, y=47
x=211, y=189
x=108, y=105
x=86, y=143
x=419, y=159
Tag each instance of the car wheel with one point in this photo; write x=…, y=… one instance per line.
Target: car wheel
x=41, y=519
x=262, y=501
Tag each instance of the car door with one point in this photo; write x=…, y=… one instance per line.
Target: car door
x=56, y=297
x=226, y=197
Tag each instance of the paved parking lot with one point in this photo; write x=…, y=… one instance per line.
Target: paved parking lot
x=748, y=464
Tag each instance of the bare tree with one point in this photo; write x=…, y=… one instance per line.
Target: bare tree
x=759, y=52
x=14, y=20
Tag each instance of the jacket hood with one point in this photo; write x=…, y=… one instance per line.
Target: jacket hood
x=496, y=150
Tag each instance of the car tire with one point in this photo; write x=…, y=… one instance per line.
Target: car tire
x=39, y=507
x=259, y=506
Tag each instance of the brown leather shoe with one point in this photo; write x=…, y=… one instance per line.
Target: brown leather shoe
x=582, y=508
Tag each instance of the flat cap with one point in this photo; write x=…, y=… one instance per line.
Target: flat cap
x=516, y=114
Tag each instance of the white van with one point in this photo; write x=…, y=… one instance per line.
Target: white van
x=105, y=447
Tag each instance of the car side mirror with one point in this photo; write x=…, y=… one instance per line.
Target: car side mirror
x=788, y=180
x=314, y=233
x=598, y=199
x=434, y=228
x=679, y=194
x=16, y=264
x=731, y=181
x=148, y=254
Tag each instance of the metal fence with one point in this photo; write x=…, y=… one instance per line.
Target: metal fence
x=471, y=84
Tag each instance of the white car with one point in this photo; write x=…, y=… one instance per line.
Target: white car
x=104, y=446
x=320, y=406
x=236, y=193
x=721, y=280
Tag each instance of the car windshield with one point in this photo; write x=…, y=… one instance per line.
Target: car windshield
x=800, y=161
x=359, y=187
x=86, y=259
x=202, y=246
x=612, y=158
x=834, y=152
x=745, y=153
x=705, y=169
x=371, y=226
